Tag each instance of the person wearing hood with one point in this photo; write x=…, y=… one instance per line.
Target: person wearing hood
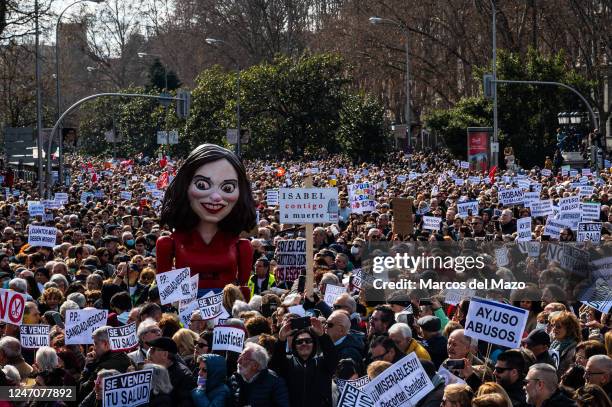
x=348, y=346
x=212, y=390
x=308, y=375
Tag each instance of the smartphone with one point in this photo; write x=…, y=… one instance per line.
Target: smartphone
x=300, y=323
x=301, y=283
x=583, y=317
x=425, y=301
x=458, y=364
x=268, y=308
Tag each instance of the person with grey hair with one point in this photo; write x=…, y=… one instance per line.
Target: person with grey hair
x=347, y=303
x=101, y=358
x=10, y=354
x=94, y=398
x=256, y=385
x=147, y=331
x=401, y=334
x=239, y=307
x=78, y=298
x=46, y=359
x=598, y=371
x=348, y=345
x=12, y=375
x=161, y=387
x=19, y=284
x=68, y=304
x=61, y=281
x=542, y=387
x=255, y=303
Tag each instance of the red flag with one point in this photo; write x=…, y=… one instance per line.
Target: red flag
x=94, y=177
x=163, y=161
x=280, y=171
x=162, y=181
x=492, y=173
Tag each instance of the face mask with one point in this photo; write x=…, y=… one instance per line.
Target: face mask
x=201, y=381
x=130, y=242
x=354, y=250
x=242, y=371
x=540, y=325
x=123, y=317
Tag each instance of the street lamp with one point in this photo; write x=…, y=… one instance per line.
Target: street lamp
x=146, y=54
x=57, y=82
x=216, y=42
x=402, y=28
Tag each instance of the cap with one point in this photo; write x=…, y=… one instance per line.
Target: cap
x=164, y=343
x=537, y=337
x=430, y=323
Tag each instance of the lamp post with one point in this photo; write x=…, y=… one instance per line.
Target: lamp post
x=216, y=42
x=146, y=54
x=495, y=119
x=402, y=28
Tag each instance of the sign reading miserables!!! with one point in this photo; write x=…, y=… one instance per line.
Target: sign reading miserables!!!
x=128, y=389
x=290, y=258
x=308, y=205
x=174, y=285
x=123, y=337
x=80, y=324
x=228, y=338
x=361, y=197
x=34, y=336
x=12, y=306
x=402, y=384
x=496, y=323
x=42, y=236
x=211, y=305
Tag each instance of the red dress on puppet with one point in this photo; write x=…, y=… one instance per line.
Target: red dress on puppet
x=226, y=260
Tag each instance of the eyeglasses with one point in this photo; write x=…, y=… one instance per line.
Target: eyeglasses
x=500, y=369
x=338, y=306
x=526, y=381
x=589, y=374
x=202, y=345
x=379, y=357
x=305, y=341
x=330, y=324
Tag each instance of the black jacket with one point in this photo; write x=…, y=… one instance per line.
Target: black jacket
x=517, y=394
x=558, y=399
x=309, y=382
x=436, y=347
x=267, y=390
x=110, y=360
x=183, y=381
x=352, y=348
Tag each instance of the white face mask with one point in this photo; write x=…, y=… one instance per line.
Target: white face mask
x=540, y=325
x=354, y=250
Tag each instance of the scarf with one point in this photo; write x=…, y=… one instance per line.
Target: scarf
x=563, y=345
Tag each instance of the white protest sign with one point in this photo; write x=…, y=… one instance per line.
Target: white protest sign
x=272, y=197
x=42, y=236
x=123, y=337
x=586, y=190
x=571, y=218
x=496, y=323
x=513, y=196
x=530, y=197
x=553, y=228
x=455, y=295
x=125, y=195
x=541, y=208
x=465, y=165
x=128, y=389
x=297, y=310
x=186, y=308
x=402, y=384
x=351, y=396
x=533, y=249
x=589, y=232
x=465, y=208
x=174, y=285
x=308, y=205
x=431, y=223
x=228, y=338
x=603, y=269
x=569, y=204
x=523, y=184
x=332, y=292
x=357, y=383
x=361, y=197
x=459, y=181
x=36, y=208
x=501, y=257
x=34, y=336
x=222, y=317
x=598, y=296
x=590, y=211
x=523, y=227
x=12, y=306
x=210, y=305
x=586, y=171
x=61, y=197
x=80, y=324
x=546, y=172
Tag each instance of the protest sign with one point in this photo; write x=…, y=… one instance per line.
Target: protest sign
x=61, y=197
x=496, y=323
x=357, y=383
x=501, y=257
x=128, y=389
x=210, y=305
x=36, y=208
x=42, y=236
x=228, y=338
x=402, y=384
x=590, y=211
x=221, y=318
x=123, y=337
x=586, y=190
x=297, y=310
x=186, y=308
x=546, y=172
x=80, y=324
x=308, y=205
x=571, y=218
x=174, y=285
x=402, y=216
x=459, y=181
x=290, y=258
x=272, y=197
x=125, y=195
x=465, y=165
x=432, y=223
x=553, y=228
x=351, y=396
x=569, y=204
x=86, y=197
x=541, y=208
x=454, y=296
x=602, y=269
x=361, y=197
x=586, y=171
x=12, y=306
x=533, y=249
x=512, y=196
x=598, y=296
x=530, y=197
x=34, y=336
x=467, y=208
x=332, y=292
x=523, y=227
x=574, y=259
x=589, y=232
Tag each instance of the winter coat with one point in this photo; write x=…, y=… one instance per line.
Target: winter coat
x=216, y=394
x=160, y=400
x=558, y=399
x=109, y=360
x=183, y=381
x=352, y=348
x=436, y=347
x=266, y=390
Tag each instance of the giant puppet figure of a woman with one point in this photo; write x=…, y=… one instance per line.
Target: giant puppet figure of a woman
x=207, y=205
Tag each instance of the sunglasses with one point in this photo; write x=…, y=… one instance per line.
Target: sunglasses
x=502, y=369
x=305, y=341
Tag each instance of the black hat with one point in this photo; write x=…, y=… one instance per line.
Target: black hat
x=537, y=337
x=430, y=323
x=164, y=343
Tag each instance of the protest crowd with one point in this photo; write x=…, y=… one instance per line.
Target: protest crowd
x=90, y=301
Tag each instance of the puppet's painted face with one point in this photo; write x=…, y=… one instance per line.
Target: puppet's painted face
x=213, y=190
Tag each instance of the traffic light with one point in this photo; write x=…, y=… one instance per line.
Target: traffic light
x=487, y=83
x=183, y=104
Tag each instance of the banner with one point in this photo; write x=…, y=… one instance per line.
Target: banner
x=553, y=228
x=211, y=305
x=308, y=205
x=478, y=147
x=523, y=227
x=123, y=337
x=80, y=324
x=174, y=285
x=290, y=258
x=512, y=196
x=34, y=336
x=361, y=197
x=128, y=389
x=589, y=232
x=496, y=323
x=332, y=292
x=541, y=208
x=42, y=236
x=228, y=338
x=432, y=223
x=402, y=384
x=12, y=306
x=569, y=204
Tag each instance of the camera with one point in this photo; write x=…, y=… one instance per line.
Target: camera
x=455, y=364
x=300, y=323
